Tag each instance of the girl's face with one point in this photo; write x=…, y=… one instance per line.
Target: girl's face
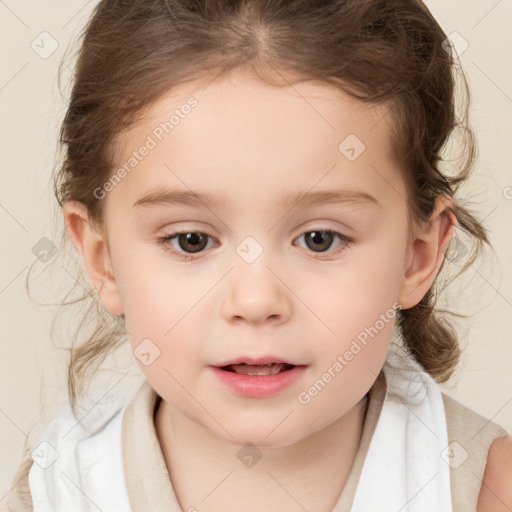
x=259, y=276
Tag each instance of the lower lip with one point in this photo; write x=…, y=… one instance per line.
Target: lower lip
x=258, y=386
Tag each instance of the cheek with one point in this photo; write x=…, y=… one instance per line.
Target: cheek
x=356, y=302
x=355, y=294
x=150, y=294
x=164, y=341
x=160, y=316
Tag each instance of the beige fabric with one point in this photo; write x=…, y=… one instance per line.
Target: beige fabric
x=150, y=489
x=472, y=433
x=149, y=486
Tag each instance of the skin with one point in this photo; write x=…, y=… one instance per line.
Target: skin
x=253, y=144
x=496, y=490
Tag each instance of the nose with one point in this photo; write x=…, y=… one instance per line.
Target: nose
x=256, y=294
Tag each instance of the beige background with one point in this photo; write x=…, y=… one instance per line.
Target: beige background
x=32, y=371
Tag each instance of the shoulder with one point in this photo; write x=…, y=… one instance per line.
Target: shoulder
x=63, y=443
x=472, y=439
x=496, y=491
x=19, y=497
x=465, y=423
x=462, y=412
x=473, y=431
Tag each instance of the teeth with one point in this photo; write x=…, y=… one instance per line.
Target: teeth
x=258, y=369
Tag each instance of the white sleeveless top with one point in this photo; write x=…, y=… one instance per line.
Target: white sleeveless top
x=80, y=469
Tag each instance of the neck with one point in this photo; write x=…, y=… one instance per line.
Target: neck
x=200, y=465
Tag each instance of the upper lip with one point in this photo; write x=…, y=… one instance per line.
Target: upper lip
x=255, y=360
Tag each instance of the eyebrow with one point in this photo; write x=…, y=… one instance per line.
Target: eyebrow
x=295, y=199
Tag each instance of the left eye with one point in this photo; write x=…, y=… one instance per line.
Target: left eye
x=187, y=243
x=321, y=240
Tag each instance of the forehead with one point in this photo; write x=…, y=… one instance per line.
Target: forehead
x=235, y=101
x=236, y=133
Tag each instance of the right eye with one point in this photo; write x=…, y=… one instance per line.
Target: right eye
x=180, y=242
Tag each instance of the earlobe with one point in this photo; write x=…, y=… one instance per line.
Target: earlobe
x=92, y=246
x=427, y=253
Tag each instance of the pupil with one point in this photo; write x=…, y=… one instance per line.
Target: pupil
x=196, y=241
x=324, y=238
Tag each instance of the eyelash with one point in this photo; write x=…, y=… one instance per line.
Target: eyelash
x=164, y=241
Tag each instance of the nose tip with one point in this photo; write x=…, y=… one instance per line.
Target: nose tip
x=256, y=295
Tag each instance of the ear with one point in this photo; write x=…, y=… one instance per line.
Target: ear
x=93, y=247
x=426, y=254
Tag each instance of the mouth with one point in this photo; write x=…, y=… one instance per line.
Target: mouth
x=257, y=369
x=258, y=377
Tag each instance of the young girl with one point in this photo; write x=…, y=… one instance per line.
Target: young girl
x=258, y=194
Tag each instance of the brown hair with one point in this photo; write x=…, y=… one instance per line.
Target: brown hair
x=379, y=51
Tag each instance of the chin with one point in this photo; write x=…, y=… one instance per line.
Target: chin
x=259, y=436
